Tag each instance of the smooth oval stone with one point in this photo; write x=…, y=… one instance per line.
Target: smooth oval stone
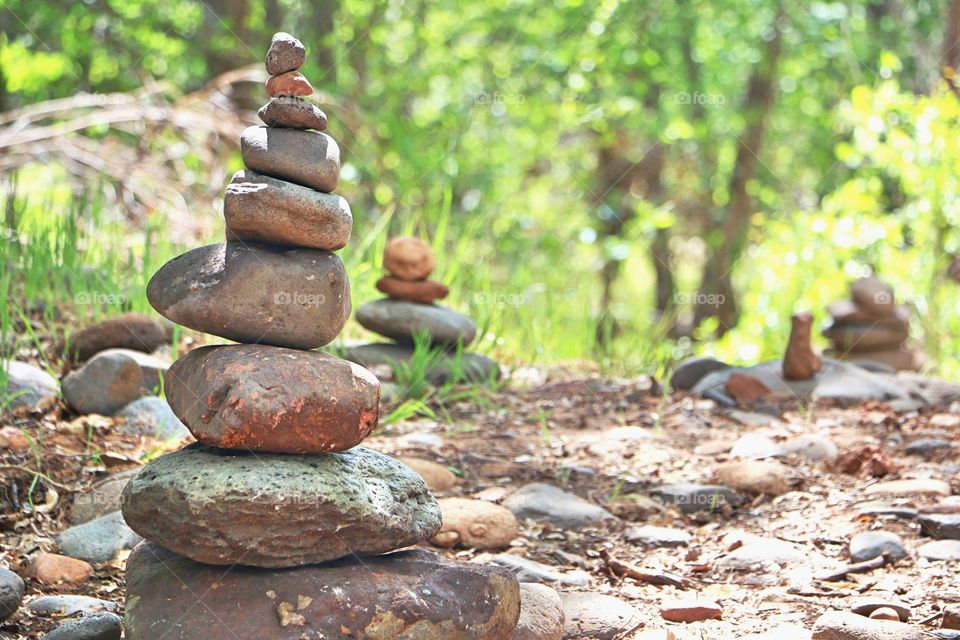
x=286, y=53
x=267, y=398
x=259, y=208
x=126, y=331
x=220, y=506
x=401, y=320
x=151, y=416
x=415, y=595
x=11, y=593
x=99, y=626
x=108, y=382
x=98, y=540
x=253, y=293
x=449, y=367
x=425, y=291
x=308, y=158
x=291, y=83
x=293, y=112
x=873, y=544
x=688, y=372
x=27, y=385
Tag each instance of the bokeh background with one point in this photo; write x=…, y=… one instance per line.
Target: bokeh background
x=613, y=183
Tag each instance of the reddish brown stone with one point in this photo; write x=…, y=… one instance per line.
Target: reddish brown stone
x=800, y=362
x=50, y=568
x=295, y=113
x=267, y=398
x=286, y=53
x=415, y=595
x=691, y=611
x=745, y=388
x=127, y=331
x=426, y=291
x=292, y=83
x=408, y=258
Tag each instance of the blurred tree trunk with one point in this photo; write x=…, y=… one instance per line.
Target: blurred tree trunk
x=951, y=46
x=716, y=296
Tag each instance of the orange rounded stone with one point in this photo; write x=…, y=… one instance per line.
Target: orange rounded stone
x=292, y=83
x=408, y=258
x=426, y=291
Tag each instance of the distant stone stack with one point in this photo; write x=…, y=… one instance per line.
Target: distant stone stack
x=411, y=310
x=265, y=528
x=872, y=326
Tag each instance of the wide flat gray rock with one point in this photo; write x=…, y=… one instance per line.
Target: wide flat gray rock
x=546, y=503
x=402, y=320
x=449, y=367
x=98, y=540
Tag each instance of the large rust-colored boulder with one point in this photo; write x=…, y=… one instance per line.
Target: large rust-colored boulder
x=265, y=398
x=127, y=331
x=221, y=506
x=426, y=291
x=263, y=209
x=799, y=361
x=409, y=595
x=255, y=293
x=408, y=258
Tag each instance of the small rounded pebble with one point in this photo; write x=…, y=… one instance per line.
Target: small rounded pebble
x=292, y=83
x=885, y=613
x=408, y=258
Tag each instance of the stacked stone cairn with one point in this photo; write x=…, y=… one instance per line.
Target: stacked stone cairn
x=410, y=310
x=872, y=326
x=272, y=525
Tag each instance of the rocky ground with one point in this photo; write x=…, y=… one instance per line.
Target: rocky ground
x=606, y=478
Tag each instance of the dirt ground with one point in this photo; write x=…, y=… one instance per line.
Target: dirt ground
x=607, y=441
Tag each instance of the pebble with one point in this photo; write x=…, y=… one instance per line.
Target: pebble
x=866, y=606
x=11, y=593
x=874, y=297
x=291, y=84
x=475, y=524
x=98, y=540
x=873, y=544
x=402, y=320
x=286, y=53
x=220, y=506
x=690, y=498
x=406, y=594
x=151, y=416
x=940, y=550
x=653, y=536
x=745, y=388
x=101, y=498
x=915, y=486
x=755, y=477
x=841, y=625
x=14, y=439
x=885, y=613
x=293, y=113
x=546, y=503
x=812, y=447
x=532, y=571
x=423, y=291
x=313, y=402
x=438, y=477
x=134, y=331
x=881, y=509
x=258, y=208
x=51, y=569
x=98, y=626
x=66, y=606
x=307, y=158
x=951, y=616
x=594, y=615
x=255, y=293
x=541, y=613
x=924, y=446
x=28, y=385
x=691, y=610
x=754, y=446
x=940, y=525
x=106, y=383
x=761, y=555
x=407, y=258
x=450, y=367
x=690, y=371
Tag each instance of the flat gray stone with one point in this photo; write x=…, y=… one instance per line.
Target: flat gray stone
x=940, y=525
x=308, y=158
x=108, y=382
x=924, y=446
x=940, y=550
x=11, y=593
x=255, y=293
x=66, y=606
x=259, y=208
x=98, y=540
x=690, y=371
x=547, y=503
x=28, y=385
x=101, y=498
x=761, y=556
x=652, y=536
x=842, y=625
x=690, y=498
x=401, y=320
x=449, y=367
x=873, y=544
x=220, y=506
x=98, y=626
x=532, y=571
x=151, y=416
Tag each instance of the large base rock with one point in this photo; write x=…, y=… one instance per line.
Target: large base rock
x=220, y=506
x=265, y=398
x=414, y=595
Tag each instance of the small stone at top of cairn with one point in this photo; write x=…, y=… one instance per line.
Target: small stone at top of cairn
x=800, y=362
x=410, y=262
